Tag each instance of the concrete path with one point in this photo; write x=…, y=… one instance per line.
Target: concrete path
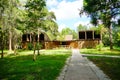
x=80, y=68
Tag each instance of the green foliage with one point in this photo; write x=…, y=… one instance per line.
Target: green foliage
x=104, y=11
x=99, y=28
x=30, y=46
x=52, y=36
x=106, y=40
x=38, y=17
x=51, y=16
x=35, y=12
x=105, y=36
x=10, y=13
x=116, y=36
x=101, y=10
x=81, y=27
x=119, y=22
x=51, y=26
x=67, y=31
x=100, y=46
x=38, y=46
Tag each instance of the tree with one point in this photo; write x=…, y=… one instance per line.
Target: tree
x=67, y=31
x=116, y=36
x=105, y=11
x=81, y=27
x=3, y=6
x=39, y=19
x=11, y=16
x=2, y=38
x=36, y=14
x=51, y=25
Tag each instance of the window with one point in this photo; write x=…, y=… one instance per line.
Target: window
x=63, y=43
x=42, y=37
x=89, y=34
x=81, y=35
x=96, y=35
x=24, y=37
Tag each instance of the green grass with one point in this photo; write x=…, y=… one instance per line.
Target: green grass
x=21, y=67
x=104, y=51
x=111, y=66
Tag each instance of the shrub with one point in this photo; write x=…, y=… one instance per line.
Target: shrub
x=30, y=46
x=99, y=46
x=38, y=46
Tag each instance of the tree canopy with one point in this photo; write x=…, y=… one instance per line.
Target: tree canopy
x=103, y=11
x=67, y=31
x=81, y=27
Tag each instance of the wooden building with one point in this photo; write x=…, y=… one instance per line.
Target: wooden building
x=87, y=39
x=30, y=38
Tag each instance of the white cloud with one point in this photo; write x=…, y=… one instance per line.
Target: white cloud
x=52, y=3
x=66, y=10
x=84, y=23
x=62, y=26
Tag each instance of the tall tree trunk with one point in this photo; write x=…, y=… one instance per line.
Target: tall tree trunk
x=10, y=41
x=38, y=43
x=2, y=52
x=110, y=37
x=30, y=38
x=15, y=49
x=34, y=46
x=34, y=56
x=2, y=46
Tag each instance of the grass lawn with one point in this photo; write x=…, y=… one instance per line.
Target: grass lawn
x=21, y=67
x=104, y=51
x=111, y=66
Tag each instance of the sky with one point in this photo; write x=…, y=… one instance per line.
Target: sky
x=67, y=13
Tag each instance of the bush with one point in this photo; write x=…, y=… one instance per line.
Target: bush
x=30, y=46
x=99, y=46
x=38, y=46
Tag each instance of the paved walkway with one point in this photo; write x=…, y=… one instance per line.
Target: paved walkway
x=80, y=68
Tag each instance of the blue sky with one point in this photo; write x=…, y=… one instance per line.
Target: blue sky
x=67, y=13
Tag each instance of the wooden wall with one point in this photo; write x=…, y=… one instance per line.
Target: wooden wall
x=88, y=43
x=73, y=44
x=51, y=44
x=69, y=44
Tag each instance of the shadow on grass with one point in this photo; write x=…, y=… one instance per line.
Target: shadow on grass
x=111, y=66
x=46, y=67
